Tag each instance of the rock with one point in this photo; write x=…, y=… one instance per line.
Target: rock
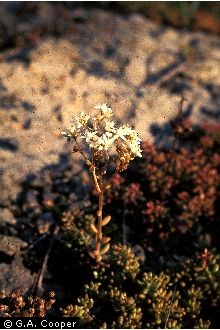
x=6, y=217
x=11, y=245
x=112, y=67
x=47, y=60
x=15, y=276
x=43, y=227
x=136, y=71
x=124, y=62
x=44, y=223
x=205, y=71
x=160, y=64
x=31, y=198
x=9, y=144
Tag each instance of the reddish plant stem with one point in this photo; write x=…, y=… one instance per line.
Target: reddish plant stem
x=96, y=182
x=99, y=228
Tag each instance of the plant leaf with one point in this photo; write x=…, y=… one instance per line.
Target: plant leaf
x=105, y=249
x=105, y=240
x=106, y=220
x=93, y=228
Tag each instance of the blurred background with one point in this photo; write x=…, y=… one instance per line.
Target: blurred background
x=192, y=15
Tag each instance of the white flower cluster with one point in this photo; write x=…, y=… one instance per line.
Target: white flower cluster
x=101, y=134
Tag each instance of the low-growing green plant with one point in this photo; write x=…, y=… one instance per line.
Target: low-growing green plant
x=17, y=305
x=123, y=296
x=110, y=151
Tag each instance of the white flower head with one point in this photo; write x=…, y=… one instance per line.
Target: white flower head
x=101, y=134
x=105, y=110
x=130, y=139
x=81, y=119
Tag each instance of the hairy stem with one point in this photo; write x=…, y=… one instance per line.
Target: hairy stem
x=96, y=181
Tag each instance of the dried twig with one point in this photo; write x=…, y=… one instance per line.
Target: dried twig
x=38, y=240
x=44, y=265
x=178, y=121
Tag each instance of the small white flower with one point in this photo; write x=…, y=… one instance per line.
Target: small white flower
x=91, y=138
x=105, y=110
x=81, y=119
x=72, y=129
x=135, y=149
x=121, y=133
x=90, y=135
x=66, y=134
x=110, y=127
